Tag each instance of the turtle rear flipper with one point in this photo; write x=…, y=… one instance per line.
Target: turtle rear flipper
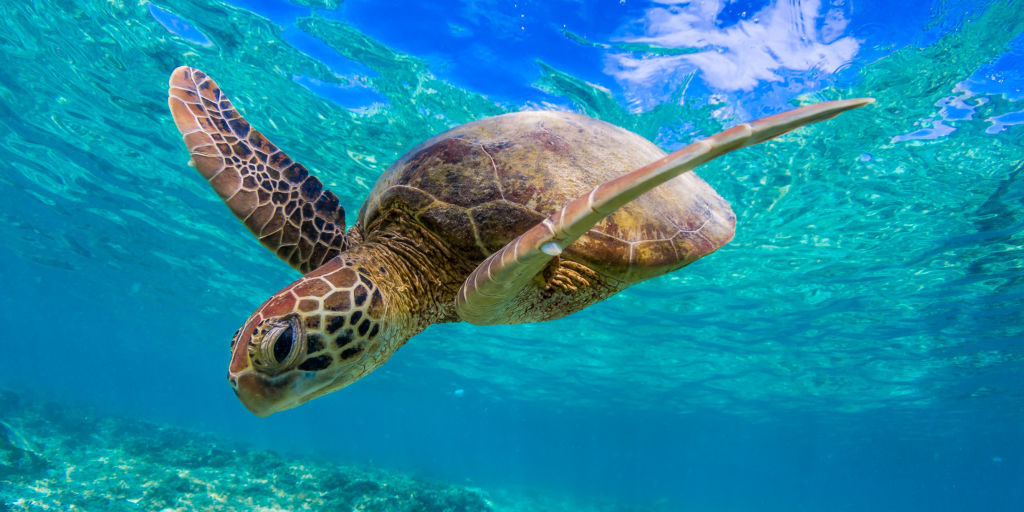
x=288, y=210
x=494, y=284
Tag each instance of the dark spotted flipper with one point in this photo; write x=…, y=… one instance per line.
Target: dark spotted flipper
x=494, y=285
x=276, y=198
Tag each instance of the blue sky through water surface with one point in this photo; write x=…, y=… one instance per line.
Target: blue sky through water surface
x=752, y=56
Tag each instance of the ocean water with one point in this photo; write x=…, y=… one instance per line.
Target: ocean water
x=858, y=346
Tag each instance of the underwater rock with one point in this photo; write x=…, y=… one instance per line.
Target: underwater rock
x=16, y=455
x=362, y=487
x=460, y=501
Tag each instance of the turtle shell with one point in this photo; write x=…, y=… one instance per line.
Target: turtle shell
x=480, y=185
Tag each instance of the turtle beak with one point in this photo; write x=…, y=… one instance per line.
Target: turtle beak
x=264, y=397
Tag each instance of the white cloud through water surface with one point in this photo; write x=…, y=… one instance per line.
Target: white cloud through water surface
x=781, y=37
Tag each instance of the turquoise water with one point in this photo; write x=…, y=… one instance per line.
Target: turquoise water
x=857, y=346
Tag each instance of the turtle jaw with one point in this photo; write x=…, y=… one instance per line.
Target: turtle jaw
x=264, y=396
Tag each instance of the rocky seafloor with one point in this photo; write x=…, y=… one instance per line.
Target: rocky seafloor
x=56, y=457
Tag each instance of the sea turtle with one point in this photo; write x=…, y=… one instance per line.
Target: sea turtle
x=521, y=217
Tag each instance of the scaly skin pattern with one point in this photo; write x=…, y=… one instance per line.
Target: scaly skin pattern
x=458, y=206
x=331, y=317
x=287, y=209
x=341, y=321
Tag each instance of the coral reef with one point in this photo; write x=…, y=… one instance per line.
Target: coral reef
x=59, y=457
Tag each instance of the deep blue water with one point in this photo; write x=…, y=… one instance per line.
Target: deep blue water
x=857, y=347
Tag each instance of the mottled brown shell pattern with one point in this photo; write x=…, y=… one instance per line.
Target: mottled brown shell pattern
x=482, y=184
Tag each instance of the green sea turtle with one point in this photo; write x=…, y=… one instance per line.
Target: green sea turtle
x=521, y=217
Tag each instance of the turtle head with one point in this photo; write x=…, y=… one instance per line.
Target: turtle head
x=317, y=335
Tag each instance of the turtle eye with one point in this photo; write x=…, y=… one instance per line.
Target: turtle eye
x=283, y=344
x=280, y=347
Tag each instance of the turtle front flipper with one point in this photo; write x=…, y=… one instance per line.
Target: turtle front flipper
x=288, y=210
x=494, y=286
